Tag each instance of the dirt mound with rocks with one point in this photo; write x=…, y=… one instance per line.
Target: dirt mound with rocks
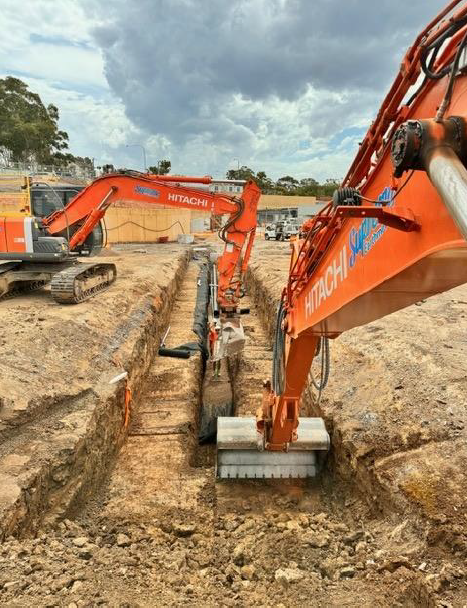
x=283, y=556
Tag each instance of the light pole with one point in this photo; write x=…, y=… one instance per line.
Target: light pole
x=238, y=163
x=144, y=154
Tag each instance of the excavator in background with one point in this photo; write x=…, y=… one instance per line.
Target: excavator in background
x=394, y=234
x=35, y=250
x=45, y=248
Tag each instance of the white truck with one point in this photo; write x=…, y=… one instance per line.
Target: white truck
x=281, y=231
x=270, y=232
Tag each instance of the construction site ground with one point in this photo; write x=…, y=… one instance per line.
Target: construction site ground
x=102, y=504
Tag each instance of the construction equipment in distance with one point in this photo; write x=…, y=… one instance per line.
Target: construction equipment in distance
x=36, y=250
x=394, y=234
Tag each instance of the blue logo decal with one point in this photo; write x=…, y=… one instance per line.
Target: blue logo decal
x=362, y=239
x=148, y=191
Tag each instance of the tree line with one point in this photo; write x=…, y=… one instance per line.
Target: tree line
x=285, y=185
x=30, y=134
x=29, y=131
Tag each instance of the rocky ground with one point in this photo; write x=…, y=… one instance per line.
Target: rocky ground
x=161, y=532
x=292, y=554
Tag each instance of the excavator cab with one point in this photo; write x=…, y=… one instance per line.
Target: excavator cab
x=48, y=198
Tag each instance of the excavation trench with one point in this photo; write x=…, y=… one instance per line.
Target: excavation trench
x=161, y=531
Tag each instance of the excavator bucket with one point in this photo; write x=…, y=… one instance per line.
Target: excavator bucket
x=240, y=454
x=231, y=339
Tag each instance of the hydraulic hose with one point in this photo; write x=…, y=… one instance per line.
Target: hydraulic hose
x=278, y=353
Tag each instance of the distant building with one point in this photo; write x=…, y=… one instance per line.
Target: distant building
x=276, y=208
x=227, y=186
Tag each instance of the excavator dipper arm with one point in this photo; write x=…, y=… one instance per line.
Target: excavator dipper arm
x=394, y=234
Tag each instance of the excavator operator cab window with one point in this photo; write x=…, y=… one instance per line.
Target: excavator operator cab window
x=47, y=200
x=44, y=203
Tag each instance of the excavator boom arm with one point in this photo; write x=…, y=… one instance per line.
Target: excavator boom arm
x=394, y=234
x=400, y=237
x=150, y=190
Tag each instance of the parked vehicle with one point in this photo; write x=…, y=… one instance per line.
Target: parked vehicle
x=270, y=232
x=286, y=229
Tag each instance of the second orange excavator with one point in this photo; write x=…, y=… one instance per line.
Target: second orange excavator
x=46, y=248
x=34, y=250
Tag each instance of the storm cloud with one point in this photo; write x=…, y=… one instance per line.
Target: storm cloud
x=246, y=74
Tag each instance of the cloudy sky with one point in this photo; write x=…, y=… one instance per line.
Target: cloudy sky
x=285, y=86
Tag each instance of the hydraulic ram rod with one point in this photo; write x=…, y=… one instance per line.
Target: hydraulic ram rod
x=440, y=149
x=449, y=176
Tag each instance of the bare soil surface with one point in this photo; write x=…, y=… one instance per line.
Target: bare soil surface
x=50, y=350
x=162, y=532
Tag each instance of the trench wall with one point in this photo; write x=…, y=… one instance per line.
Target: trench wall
x=78, y=437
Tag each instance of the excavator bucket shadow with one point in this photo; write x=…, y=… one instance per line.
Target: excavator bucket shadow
x=239, y=455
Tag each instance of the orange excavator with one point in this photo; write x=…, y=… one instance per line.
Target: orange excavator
x=34, y=249
x=395, y=233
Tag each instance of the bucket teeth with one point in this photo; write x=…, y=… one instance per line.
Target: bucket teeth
x=246, y=464
x=238, y=456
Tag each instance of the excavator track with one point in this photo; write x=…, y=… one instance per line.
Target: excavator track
x=22, y=289
x=81, y=282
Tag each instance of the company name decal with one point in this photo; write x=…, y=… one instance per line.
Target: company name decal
x=188, y=200
x=335, y=274
x=362, y=238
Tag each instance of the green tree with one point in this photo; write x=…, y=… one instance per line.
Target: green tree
x=162, y=168
x=265, y=184
x=243, y=172
x=308, y=187
x=287, y=184
x=28, y=130
x=331, y=184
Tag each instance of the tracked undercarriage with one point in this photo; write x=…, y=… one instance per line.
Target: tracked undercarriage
x=71, y=281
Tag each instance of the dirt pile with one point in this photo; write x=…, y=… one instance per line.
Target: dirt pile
x=285, y=555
